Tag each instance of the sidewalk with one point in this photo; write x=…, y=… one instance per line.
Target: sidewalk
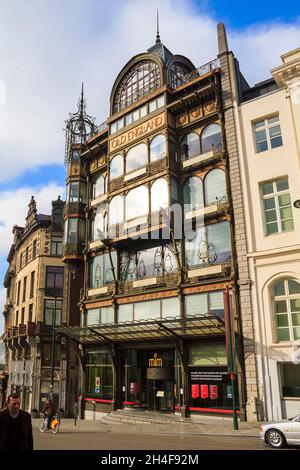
x=205, y=426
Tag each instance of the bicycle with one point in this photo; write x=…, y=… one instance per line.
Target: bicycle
x=54, y=425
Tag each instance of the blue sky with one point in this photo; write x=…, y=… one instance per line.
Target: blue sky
x=48, y=48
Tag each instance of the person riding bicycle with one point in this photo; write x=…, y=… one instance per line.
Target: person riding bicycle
x=49, y=411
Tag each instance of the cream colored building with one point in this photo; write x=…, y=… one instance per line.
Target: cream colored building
x=267, y=118
x=37, y=283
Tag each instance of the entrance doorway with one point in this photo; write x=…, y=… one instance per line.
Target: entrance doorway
x=148, y=379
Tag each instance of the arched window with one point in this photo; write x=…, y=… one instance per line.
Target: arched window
x=136, y=157
x=116, y=167
x=190, y=145
x=137, y=202
x=158, y=148
x=286, y=302
x=215, y=186
x=211, y=137
x=99, y=224
x=193, y=194
x=116, y=210
x=139, y=81
x=159, y=195
x=99, y=186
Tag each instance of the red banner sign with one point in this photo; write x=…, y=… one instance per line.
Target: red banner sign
x=195, y=391
x=213, y=392
x=204, y=390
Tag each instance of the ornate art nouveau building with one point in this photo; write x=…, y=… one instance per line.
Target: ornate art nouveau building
x=154, y=228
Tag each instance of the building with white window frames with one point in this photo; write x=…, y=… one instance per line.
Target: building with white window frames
x=268, y=124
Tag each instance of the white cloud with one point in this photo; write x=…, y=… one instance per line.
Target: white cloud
x=14, y=208
x=48, y=48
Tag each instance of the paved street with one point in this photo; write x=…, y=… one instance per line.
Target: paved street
x=109, y=440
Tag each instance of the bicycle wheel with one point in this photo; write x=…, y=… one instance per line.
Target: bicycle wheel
x=43, y=427
x=54, y=428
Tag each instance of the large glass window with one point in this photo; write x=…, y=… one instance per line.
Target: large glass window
x=211, y=138
x=52, y=312
x=152, y=309
x=116, y=210
x=116, y=166
x=99, y=375
x=290, y=380
x=208, y=246
x=205, y=303
x=99, y=224
x=215, y=186
x=158, y=148
x=100, y=272
x=276, y=199
x=136, y=157
x=137, y=202
x=193, y=193
x=99, y=187
x=55, y=278
x=141, y=79
x=159, y=195
x=286, y=301
x=99, y=316
x=190, y=145
x=56, y=246
x=75, y=232
x=73, y=191
x=267, y=134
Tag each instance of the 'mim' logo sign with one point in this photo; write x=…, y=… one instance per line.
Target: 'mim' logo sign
x=155, y=362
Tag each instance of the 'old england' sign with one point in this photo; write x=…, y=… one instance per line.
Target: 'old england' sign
x=142, y=130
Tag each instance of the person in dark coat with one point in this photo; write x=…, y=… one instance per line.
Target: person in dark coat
x=15, y=426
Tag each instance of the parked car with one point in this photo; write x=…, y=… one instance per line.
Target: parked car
x=282, y=433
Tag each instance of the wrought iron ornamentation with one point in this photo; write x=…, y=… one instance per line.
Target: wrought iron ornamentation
x=158, y=262
x=98, y=276
x=207, y=253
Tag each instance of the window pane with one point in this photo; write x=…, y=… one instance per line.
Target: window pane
x=128, y=119
x=136, y=157
x=272, y=228
x=279, y=288
x=160, y=101
x=294, y=287
x=296, y=332
x=116, y=167
x=99, y=187
x=193, y=193
x=107, y=315
x=146, y=310
x=191, y=145
x=158, y=148
x=273, y=119
x=276, y=142
x=216, y=303
x=284, y=200
x=137, y=202
x=287, y=225
x=295, y=305
x=170, y=307
x=196, y=304
x=286, y=213
x=296, y=319
x=116, y=210
x=261, y=136
x=283, y=334
x=143, y=111
x=290, y=379
x=271, y=216
x=215, y=186
x=267, y=188
x=195, y=244
x=275, y=131
x=152, y=106
x=219, y=242
x=211, y=137
x=269, y=203
x=259, y=124
x=282, y=185
x=261, y=146
x=93, y=317
x=280, y=306
x=125, y=312
x=282, y=320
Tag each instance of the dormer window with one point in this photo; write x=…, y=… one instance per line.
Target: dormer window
x=142, y=79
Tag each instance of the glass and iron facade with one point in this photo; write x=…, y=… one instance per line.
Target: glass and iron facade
x=158, y=249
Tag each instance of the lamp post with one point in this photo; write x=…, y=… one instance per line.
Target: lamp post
x=54, y=295
x=231, y=353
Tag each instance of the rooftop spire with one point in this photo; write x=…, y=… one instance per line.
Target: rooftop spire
x=81, y=100
x=157, y=28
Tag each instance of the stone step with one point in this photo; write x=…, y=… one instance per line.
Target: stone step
x=134, y=417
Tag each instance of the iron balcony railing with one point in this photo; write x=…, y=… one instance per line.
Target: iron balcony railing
x=175, y=80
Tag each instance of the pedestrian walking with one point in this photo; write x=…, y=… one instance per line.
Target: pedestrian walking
x=15, y=426
x=75, y=411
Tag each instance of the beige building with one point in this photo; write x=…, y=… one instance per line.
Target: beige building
x=267, y=118
x=36, y=283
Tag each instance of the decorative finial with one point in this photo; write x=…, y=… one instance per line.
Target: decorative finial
x=157, y=28
x=81, y=100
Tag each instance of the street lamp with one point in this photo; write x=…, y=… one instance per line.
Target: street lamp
x=54, y=294
x=297, y=204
